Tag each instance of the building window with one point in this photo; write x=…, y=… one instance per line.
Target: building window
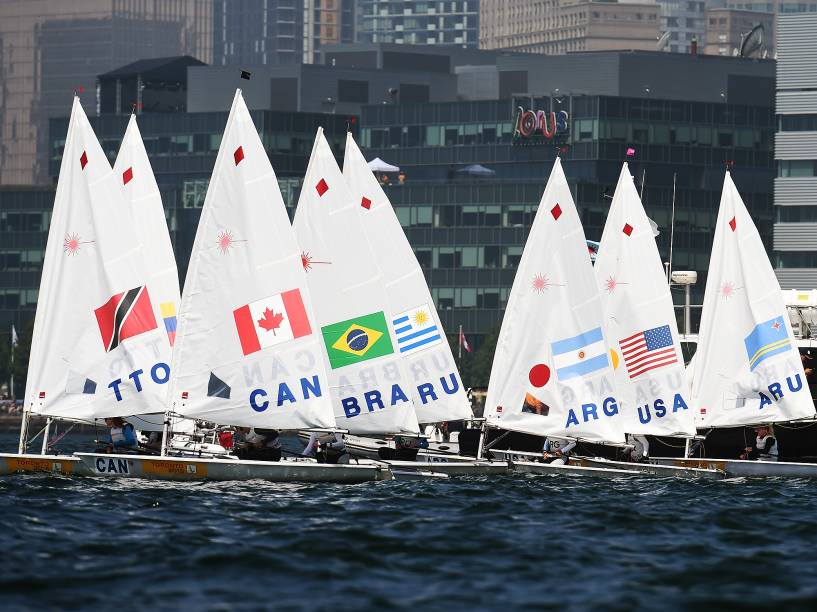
x=796, y=168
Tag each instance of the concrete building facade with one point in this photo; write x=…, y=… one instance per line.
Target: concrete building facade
x=795, y=151
x=419, y=23
x=554, y=27
x=727, y=28
x=685, y=22
x=50, y=49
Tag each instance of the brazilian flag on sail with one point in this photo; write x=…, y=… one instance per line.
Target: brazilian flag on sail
x=356, y=340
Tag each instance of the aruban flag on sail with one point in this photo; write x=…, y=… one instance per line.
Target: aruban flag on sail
x=580, y=355
x=125, y=315
x=766, y=340
x=271, y=320
x=415, y=330
x=648, y=350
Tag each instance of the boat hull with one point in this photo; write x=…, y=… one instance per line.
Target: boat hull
x=535, y=467
x=14, y=463
x=653, y=469
x=735, y=468
x=193, y=468
x=453, y=468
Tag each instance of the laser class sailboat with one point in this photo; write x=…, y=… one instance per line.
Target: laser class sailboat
x=247, y=348
x=99, y=348
x=554, y=373
x=436, y=388
x=747, y=366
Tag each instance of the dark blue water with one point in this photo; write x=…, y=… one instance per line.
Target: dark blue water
x=515, y=542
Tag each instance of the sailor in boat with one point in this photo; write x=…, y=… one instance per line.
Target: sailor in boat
x=639, y=449
x=257, y=444
x=765, y=448
x=327, y=447
x=123, y=436
x=557, y=450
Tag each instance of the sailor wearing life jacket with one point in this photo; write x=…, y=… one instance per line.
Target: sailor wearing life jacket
x=557, y=450
x=123, y=435
x=765, y=448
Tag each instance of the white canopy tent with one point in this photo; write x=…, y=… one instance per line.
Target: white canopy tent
x=378, y=165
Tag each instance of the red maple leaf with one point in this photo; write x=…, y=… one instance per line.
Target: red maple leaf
x=270, y=321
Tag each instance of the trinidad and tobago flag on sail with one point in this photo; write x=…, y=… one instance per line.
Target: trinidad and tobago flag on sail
x=125, y=315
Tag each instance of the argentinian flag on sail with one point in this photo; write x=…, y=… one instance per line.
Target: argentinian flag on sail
x=580, y=355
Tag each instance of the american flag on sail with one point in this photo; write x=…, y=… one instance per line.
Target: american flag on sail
x=648, y=350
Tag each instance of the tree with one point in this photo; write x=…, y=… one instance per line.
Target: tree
x=484, y=359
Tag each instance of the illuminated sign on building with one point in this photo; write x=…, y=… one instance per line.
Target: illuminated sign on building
x=530, y=124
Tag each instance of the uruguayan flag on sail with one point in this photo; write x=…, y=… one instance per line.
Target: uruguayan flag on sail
x=579, y=355
x=415, y=330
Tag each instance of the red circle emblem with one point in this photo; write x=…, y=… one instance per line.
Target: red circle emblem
x=539, y=375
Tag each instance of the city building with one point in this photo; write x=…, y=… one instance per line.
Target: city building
x=419, y=23
x=49, y=49
x=566, y=26
x=469, y=227
x=795, y=151
x=278, y=32
x=728, y=28
x=685, y=23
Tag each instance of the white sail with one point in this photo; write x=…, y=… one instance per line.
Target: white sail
x=247, y=348
x=370, y=389
x=141, y=192
x=98, y=349
x=640, y=320
x=552, y=372
x=437, y=390
x=747, y=366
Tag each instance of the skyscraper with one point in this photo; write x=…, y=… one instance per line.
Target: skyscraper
x=795, y=149
x=48, y=50
x=419, y=23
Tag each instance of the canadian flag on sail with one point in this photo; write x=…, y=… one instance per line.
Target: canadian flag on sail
x=272, y=320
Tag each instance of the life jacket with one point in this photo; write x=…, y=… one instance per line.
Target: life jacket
x=554, y=444
x=118, y=434
x=771, y=452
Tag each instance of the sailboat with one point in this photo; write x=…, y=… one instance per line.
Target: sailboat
x=421, y=340
x=97, y=349
x=247, y=347
x=747, y=365
x=554, y=373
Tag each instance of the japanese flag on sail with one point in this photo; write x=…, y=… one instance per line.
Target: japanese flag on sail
x=272, y=320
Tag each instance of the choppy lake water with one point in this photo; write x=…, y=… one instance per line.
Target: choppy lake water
x=512, y=543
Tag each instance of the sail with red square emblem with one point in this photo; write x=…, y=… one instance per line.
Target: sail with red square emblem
x=246, y=352
x=97, y=349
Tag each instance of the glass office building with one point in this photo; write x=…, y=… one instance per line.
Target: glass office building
x=468, y=229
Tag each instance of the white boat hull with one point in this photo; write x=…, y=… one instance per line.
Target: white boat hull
x=194, y=468
x=452, y=468
x=535, y=467
x=14, y=463
x=367, y=448
x=652, y=469
x=735, y=468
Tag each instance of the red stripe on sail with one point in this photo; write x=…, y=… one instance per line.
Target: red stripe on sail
x=105, y=316
x=633, y=364
x=631, y=337
x=140, y=319
x=653, y=365
x=296, y=313
x=246, y=330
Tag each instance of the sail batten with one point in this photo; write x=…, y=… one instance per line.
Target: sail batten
x=552, y=372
